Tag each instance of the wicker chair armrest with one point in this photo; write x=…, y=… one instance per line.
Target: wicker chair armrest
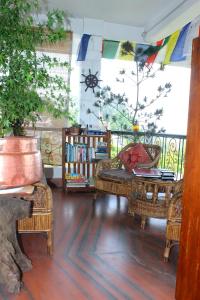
x=175, y=208
x=42, y=196
x=108, y=164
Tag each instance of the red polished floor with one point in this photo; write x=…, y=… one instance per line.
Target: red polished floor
x=100, y=253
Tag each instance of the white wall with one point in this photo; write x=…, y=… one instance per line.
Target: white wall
x=107, y=30
x=99, y=30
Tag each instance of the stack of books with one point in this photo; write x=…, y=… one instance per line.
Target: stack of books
x=95, y=132
x=76, y=180
x=101, y=151
x=163, y=174
x=79, y=152
x=149, y=173
x=167, y=174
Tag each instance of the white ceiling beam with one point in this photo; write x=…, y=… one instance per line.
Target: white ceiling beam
x=171, y=21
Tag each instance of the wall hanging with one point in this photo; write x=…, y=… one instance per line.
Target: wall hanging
x=91, y=81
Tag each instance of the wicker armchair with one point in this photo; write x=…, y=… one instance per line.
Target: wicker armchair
x=151, y=198
x=174, y=217
x=41, y=219
x=111, y=176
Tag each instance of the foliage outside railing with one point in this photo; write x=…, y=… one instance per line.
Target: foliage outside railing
x=172, y=156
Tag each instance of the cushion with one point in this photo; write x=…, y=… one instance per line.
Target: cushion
x=133, y=156
x=117, y=175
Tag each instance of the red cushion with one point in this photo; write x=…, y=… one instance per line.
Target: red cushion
x=133, y=156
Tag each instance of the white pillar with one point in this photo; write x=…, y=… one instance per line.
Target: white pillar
x=92, y=63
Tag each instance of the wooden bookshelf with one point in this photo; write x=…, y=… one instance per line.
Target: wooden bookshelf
x=78, y=158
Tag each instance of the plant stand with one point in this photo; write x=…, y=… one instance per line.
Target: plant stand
x=12, y=261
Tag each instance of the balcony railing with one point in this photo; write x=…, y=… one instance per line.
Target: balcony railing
x=173, y=147
x=172, y=156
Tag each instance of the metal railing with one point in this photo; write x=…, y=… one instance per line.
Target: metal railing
x=173, y=147
x=172, y=155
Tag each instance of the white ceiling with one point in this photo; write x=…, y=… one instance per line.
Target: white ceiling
x=128, y=12
x=148, y=14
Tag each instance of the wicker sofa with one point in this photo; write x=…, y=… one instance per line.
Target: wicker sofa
x=112, y=177
x=41, y=219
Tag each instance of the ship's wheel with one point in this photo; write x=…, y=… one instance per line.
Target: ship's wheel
x=91, y=81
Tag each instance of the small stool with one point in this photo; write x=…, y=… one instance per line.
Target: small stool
x=41, y=219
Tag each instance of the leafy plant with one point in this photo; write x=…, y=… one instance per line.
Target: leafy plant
x=75, y=124
x=27, y=86
x=122, y=112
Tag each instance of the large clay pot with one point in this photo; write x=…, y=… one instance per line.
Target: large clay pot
x=20, y=162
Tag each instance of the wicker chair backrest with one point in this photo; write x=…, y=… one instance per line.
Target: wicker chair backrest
x=154, y=151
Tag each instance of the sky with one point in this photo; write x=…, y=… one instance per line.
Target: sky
x=175, y=106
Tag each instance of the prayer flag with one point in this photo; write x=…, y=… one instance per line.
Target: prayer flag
x=126, y=50
x=177, y=54
x=151, y=59
x=192, y=32
x=139, y=52
x=83, y=47
x=110, y=49
x=154, y=49
x=170, y=46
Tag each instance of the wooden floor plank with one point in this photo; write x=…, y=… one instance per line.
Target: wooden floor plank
x=100, y=254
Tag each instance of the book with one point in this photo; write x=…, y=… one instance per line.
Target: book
x=167, y=178
x=167, y=172
x=77, y=184
x=25, y=190
x=150, y=173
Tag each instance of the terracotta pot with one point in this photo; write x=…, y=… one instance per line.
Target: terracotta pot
x=75, y=130
x=20, y=162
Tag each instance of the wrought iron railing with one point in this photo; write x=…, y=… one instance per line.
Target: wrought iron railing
x=173, y=147
x=172, y=156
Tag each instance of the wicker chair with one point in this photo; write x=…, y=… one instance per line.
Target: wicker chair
x=41, y=219
x=174, y=217
x=111, y=176
x=151, y=198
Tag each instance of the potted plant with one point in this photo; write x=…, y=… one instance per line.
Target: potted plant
x=27, y=86
x=75, y=129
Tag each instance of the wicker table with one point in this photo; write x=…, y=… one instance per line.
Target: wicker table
x=150, y=198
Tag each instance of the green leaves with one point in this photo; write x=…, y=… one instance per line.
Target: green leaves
x=27, y=84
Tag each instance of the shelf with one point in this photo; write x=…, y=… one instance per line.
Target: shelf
x=86, y=168
x=79, y=162
x=80, y=189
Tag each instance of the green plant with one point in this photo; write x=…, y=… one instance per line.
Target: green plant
x=119, y=111
x=76, y=125
x=27, y=86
